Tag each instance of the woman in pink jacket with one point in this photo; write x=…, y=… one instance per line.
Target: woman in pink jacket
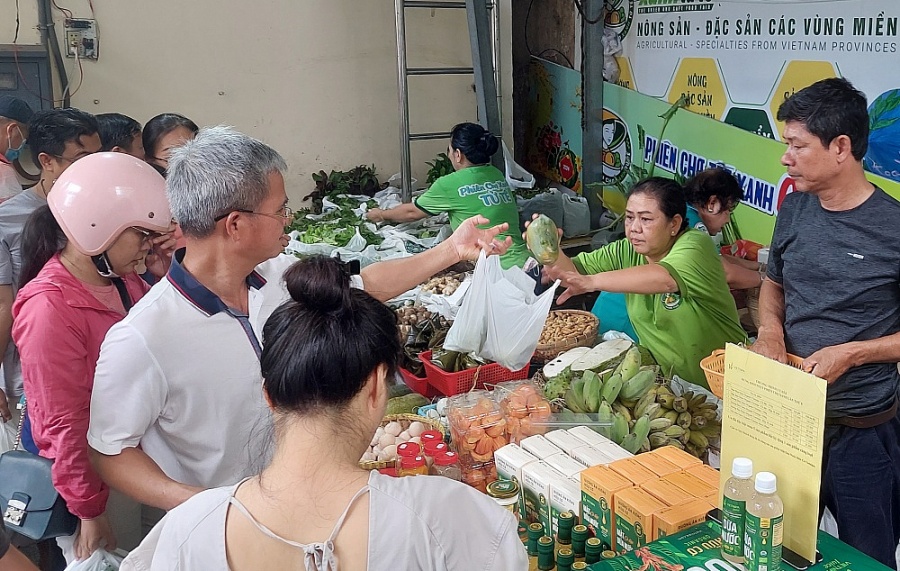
x=107, y=211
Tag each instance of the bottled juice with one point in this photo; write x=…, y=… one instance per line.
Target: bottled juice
x=738, y=489
x=763, y=526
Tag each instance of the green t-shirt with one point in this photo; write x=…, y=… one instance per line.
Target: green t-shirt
x=679, y=328
x=478, y=190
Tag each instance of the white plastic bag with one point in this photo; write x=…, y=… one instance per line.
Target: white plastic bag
x=501, y=318
x=100, y=560
x=576, y=216
x=516, y=176
x=7, y=436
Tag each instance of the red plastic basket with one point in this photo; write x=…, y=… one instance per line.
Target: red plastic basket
x=418, y=384
x=449, y=384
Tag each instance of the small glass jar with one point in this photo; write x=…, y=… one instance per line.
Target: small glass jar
x=505, y=493
x=408, y=449
x=434, y=448
x=447, y=465
x=412, y=466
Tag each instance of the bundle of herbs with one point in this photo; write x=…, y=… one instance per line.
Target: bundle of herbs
x=358, y=180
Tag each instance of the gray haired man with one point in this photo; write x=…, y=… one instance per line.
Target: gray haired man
x=177, y=405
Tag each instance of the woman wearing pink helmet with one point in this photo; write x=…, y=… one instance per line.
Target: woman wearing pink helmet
x=78, y=280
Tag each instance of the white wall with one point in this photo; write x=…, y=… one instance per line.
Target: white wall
x=315, y=79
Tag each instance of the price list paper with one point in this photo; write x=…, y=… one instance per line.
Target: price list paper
x=774, y=414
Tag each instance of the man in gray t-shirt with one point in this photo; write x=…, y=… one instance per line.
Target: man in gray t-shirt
x=832, y=296
x=57, y=138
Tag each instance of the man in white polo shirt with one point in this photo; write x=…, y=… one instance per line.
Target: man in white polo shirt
x=177, y=404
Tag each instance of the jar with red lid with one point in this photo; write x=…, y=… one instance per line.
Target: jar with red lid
x=431, y=436
x=447, y=465
x=434, y=448
x=412, y=466
x=408, y=449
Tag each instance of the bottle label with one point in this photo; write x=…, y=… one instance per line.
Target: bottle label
x=733, y=526
x=762, y=542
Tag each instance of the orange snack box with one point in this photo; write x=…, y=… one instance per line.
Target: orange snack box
x=600, y=486
x=676, y=456
x=635, y=510
x=667, y=492
x=690, y=484
x=657, y=464
x=706, y=473
x=633, y=470
x=676, y=518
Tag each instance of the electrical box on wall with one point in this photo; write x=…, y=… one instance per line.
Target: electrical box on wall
x=81, y=38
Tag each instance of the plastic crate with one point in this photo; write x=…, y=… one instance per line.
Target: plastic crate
x=449, y=384
x=418, y=384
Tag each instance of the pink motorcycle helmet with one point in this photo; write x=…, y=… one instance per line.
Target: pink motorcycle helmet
x=101, y=195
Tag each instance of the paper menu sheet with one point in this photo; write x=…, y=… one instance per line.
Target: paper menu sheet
x=774, y=414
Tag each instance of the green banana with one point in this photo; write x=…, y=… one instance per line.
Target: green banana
x=654, y=411
x=630, y=403
x=605, y=420
x=664, y=390
x=645, y=446
x=612, y=387
x=645, y=401
x=674, y=431
x=660, y=424
x=676, y=444
x=680, y=404
x=671, y=415
x=658, y=439
x=619, y=429
x=631, y=443
x=709, y=414
x=688, y=395
x=623, y=410
x=630, y=364
x=697, y=400
x=591, y=391
x=686, y=437
x=573, y=400
x=698, y=422
x=637, y=385
x=642, y=428
x=711, y=431
x=684, y=420
x=667, y=400
x=698, y=439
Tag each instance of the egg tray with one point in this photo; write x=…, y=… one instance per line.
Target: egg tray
x=405, y=420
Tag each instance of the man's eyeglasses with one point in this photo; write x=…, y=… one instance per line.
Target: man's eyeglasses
x=284, y=214
x=69, y=159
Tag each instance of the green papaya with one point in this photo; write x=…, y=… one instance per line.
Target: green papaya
x=542, y=238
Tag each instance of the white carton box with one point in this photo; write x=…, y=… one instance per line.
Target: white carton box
x=509, y=462
x=539, y=446
x=589, y=456
x=564, y=496
x=589, y=436
x=615, y=451
x=564, y=440
x=565, y=465
x=536, y=480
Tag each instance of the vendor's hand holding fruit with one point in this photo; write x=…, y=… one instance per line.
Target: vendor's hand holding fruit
x=468, y=240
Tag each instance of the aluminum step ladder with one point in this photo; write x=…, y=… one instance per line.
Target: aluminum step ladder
x=483, y=70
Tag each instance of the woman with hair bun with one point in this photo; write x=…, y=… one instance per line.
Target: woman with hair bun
x=327, y=355
x=477, y=187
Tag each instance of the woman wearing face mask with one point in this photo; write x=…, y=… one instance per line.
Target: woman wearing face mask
x=477, y=187
x=712, y=195
x=105, y=210
x=327, y=354
x=14, y=117
x=674, y=285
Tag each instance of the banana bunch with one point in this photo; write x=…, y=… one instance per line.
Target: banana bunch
x=687, y=421
x=613, y=395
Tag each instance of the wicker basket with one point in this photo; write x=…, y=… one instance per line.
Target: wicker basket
x=549, y=351
x=404, y=419
x=714, y=368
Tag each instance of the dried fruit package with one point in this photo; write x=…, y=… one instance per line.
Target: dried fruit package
x=477, y=426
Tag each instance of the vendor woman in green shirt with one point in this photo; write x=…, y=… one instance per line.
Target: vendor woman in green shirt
x=673, y=281
x=476, y=187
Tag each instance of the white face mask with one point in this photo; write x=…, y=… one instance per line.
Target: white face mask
x=9, y=182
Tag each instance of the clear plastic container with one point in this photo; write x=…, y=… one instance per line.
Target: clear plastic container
x=412, y=466
x=524, y=409
x=477, y=426
x=447, y=465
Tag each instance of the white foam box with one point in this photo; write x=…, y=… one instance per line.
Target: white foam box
x=588, y=456
x=564, y=440
x=589, y=436
x=509, y=461
x=564, y=496
x=615, y=451
x=536, y=480
x=539, y=446
x=565, y=464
